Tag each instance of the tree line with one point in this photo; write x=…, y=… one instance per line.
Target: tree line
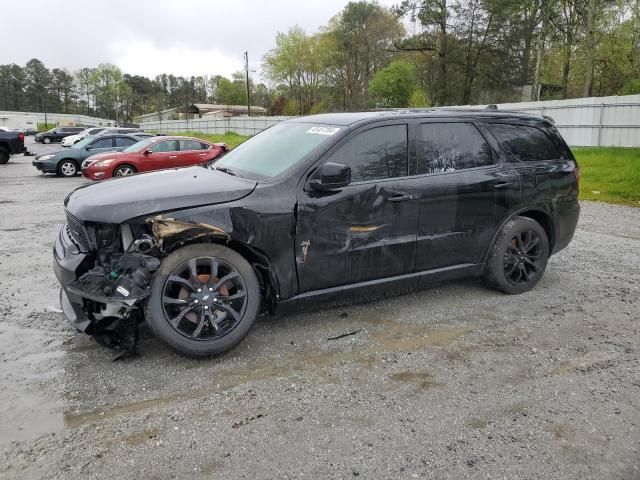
x=418, y=53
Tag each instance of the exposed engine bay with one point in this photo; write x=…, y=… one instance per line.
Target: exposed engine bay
x=114, y=278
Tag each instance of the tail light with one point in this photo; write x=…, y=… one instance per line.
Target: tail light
x=21, y=137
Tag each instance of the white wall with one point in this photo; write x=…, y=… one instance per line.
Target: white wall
x=22, y=120
x=603, y=121
x=594, y=121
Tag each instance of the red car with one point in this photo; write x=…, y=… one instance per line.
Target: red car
x=155, y=153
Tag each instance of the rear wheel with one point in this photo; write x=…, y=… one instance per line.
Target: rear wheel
x=519, y=256
x=124, y=170
x=204, y=300
x=67, y=168
x=46, y=140
x=4, y=156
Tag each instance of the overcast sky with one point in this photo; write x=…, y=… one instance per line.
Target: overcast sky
x=148, y=37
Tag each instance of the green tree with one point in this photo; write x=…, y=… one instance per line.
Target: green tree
x=392, y=86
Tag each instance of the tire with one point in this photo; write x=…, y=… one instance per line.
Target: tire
x=124, y=170
x=67, y=168
x=194, y=334
x=4, y=156
x=46, y=140
x=518, y=256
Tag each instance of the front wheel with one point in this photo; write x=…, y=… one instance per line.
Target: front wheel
x=124, y=171
x=519, y=256
x=67, y=168
x=204, y=300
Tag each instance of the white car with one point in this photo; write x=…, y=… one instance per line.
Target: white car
x=72, y=139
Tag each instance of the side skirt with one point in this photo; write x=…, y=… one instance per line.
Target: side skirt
x=383, y=286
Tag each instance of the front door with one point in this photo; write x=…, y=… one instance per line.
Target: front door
x=100, y=145
x=366, y=230
x=164, y=154
x=465, y=193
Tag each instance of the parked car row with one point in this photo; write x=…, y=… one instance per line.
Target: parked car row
x=60, y=134
x=110, y=155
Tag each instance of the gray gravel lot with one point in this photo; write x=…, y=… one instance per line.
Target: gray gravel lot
x=453, y=382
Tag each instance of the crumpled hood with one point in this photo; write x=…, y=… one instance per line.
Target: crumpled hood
x=121, y=199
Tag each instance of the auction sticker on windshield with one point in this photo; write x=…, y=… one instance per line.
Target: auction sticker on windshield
x=323, y=130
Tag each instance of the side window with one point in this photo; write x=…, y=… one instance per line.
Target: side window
x=528, y=144
x=165, y=146
x=189, y=145
x=103, y=143
x=374, y=154
x=124, y=141
x=449, y=147
x=204, y=146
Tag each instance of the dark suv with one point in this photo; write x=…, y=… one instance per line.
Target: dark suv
x=318, y=206
x=57, y=134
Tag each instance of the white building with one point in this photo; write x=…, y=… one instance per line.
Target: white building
x=24, y=120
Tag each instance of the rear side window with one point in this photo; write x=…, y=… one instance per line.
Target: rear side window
x=375, y=154
x=103, y=143
x=124, y=141
x=449, y=147
x=528, y=144
x=190, y=145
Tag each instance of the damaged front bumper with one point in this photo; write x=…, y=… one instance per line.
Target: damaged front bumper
x=67, y=259
x=100, y=295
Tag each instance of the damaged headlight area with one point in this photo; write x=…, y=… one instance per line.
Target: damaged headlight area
x=103, y=294
x=106, y=272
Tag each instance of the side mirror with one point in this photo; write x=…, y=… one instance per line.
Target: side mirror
x=147, y=152
x=330, y=177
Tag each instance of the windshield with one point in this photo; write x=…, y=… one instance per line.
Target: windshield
x=139, y=146
x=83, y=143
x=275, y=149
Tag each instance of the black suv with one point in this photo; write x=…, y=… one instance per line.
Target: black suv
x=57, y=134
x=316, y=206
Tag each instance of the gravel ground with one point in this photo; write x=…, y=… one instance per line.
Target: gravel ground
x=453, y=382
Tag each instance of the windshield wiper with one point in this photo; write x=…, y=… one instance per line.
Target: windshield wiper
x=227, y=170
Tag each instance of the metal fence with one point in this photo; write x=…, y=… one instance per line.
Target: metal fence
x=239, y=125
x=601, y=121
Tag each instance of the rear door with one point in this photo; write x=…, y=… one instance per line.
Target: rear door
x=192, y=152
x=465, y=193
x=164, y=154
x=366, y=230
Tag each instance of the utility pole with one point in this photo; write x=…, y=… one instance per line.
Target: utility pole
x=246, y=66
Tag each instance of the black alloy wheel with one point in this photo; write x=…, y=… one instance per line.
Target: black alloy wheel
x=523, y=258
x=204, y=300
x=518, y=256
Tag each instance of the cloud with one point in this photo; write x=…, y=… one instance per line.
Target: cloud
x=146, y=58
x=183, y=37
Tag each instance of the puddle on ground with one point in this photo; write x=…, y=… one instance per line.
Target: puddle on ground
x=420, y=379
x=589, y=361
x=30, y=367
x=402, y=338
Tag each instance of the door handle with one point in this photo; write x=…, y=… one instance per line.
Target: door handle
x=202, y=154
x=503, y=185
x=173, y=156
x=400, y=198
